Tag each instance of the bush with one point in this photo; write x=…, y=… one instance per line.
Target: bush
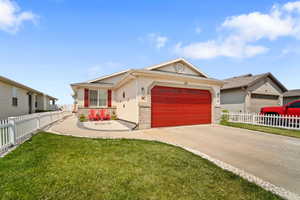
x=82, y=118
x=224, y=117
x=114, y=116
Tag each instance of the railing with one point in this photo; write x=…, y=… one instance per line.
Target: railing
x=16, y=130
x=277, y=121
x=52, y=107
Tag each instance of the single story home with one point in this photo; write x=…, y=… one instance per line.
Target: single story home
x=290, y=96
x=172, y=93
x=249, y=93
x=17, y=99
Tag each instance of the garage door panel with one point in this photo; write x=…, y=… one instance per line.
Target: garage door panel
x=180, y=106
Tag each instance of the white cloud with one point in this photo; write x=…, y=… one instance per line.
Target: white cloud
x=256, y=26
x=11, y=17
x=212, y=49
x=157, y=40
x=241, y=33
x=292, y=6
x=104, y=68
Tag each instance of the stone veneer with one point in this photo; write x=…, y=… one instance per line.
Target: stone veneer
x=217, y=115
x=144, y=117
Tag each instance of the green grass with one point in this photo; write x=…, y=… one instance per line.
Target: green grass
x=60, y=167
x=277, y=131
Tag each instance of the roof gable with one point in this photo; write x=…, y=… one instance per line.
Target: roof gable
x=249, y=80
x=169, y=67
x=180, y=66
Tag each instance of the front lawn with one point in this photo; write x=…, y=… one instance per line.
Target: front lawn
x=61, y=167
x=277, y=131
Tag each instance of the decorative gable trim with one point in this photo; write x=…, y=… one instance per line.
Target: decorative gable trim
x=182, y=60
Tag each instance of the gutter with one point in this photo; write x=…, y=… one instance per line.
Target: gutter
x=177, y=76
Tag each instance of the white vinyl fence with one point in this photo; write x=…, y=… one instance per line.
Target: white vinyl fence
x=277, y=121
x=16, y=130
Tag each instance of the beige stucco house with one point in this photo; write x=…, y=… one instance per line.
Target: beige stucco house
x=249, y=93
x=168, y=94
x=17, y=99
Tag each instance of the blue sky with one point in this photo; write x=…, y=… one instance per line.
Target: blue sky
x=51, y=43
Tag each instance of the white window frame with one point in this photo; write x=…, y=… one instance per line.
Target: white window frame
x=90, y=104
x=99, y=92
x=15, y=96
x=106, y=102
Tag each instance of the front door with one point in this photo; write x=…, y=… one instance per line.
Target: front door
x=30, y=103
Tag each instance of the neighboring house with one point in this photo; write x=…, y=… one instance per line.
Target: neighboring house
x=18, y=99
x=249, y=93
x=168, y=94
x=290, y=96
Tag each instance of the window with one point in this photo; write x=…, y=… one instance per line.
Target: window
x=295, y=105
x=15, y=101
x=93, y=97
x=262, y=96
x=14, y=96
x=98, y=98
x=102, y=97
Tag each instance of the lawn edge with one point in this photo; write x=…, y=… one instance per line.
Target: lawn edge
x=261, y=132
x=225, y=166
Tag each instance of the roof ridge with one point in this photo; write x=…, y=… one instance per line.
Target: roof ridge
x=241, y=76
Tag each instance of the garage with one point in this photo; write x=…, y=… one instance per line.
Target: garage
x=259, y=100
x=180, y=106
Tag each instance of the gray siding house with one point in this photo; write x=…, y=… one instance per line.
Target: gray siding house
x=18, y=99
x=249, y=93
x=290, y=96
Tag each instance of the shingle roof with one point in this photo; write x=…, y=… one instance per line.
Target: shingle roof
x=20, y=85
x=292, y=93
x=241, y=81
x=248, y=80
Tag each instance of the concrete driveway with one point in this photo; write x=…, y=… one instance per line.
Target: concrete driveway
x=273, y=158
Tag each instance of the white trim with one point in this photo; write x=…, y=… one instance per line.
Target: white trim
x=98, y=98
x=109, y=76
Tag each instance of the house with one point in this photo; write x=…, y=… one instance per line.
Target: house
x=17, y=99
x=290, y=96
x=168, y=94
x=249, y=93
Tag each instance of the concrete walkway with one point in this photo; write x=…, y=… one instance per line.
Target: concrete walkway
x=273, y=158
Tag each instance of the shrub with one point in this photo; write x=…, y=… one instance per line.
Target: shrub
x=82, y=118
x=224, y=117
x=114, y=116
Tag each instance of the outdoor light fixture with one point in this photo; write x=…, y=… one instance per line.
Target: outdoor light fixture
x=143, y=93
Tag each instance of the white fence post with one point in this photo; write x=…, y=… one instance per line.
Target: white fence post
x=12, y=130
x=38, y=122
x=18, y=129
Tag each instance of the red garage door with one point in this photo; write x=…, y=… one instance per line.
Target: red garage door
x=179, y=106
